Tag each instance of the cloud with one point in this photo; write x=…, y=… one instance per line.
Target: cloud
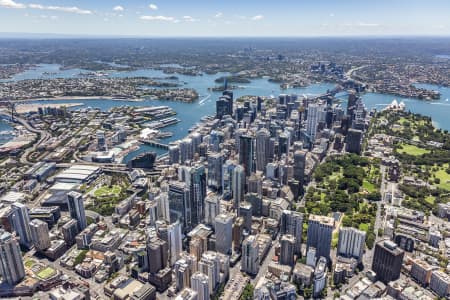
x=362, y=24
x=257, y=18
x=67, y=9
x=190, y=19
x=11, y=4
x=158, y=18
x=218, y=15
x=153, y=6
x=118, y=8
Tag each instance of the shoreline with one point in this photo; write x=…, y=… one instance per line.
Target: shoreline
x=64, y=98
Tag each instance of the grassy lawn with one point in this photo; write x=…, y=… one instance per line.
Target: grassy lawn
x=364, y=227
x=46, y=273
x=368, y=186
x=107, y=191
x=430, y=199
x=444, y=178
x=412, y=150
x=29, y=263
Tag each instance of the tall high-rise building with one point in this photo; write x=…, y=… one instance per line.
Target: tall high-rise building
x=320, y=231
x=320, y=276
x=11, y=261
x=40, y=234
x=224, y=106
x=209, y=265
x=70, y=231
x=186, y=150
x=227, y=179
x=200, y=284
x=224, y=230
x=353, y=141
x=316, y=114
x=101, y=141
x=175, y=241
x=215, y=162
x=197, y=188
x=212, y=208
x=287, y=250
x=157, y=252
x=262, y=149
x=351, y=243
x=76, y=209
x=174, y=154
x=183, y=269
x=21, y=224
x=254, y=183
x=179, y=203
x=245, y=211
x=163, y=207
x=250, y=255
x=197, y=139
x=387, y=261
x=238, y=186
x=246, y=154
x=292, y=223
x=182, y=274
x=299, y=166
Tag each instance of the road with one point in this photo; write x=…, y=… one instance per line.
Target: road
x=43, y=137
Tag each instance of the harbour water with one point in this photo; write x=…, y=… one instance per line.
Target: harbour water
x=4, y=128
x=191, y=113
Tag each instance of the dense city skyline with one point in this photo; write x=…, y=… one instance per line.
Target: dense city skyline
x=231, y=18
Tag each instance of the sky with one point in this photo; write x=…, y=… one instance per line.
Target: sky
x=227, y=18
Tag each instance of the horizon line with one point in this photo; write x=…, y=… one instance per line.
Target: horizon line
x=31, y=35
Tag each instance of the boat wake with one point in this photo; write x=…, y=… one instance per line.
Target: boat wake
x=201, y=102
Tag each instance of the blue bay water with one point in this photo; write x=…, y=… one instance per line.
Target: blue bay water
x=191, y=113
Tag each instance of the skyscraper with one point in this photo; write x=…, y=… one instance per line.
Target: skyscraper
x=76, y=209
x=157, y=252
x=175, y=241
x=212, y=208
x=250, y=255
x=163, y=207
x=245, y=211
x=351, y=242
x=238, y=186
x=186, y=150
x=179, y=204
x=227, y=179
x=292, y=223
x=197, y=188
x=262, y=149
x=215, y=162
x=246, y=150
x=40, y=234
x=224, y=229
x=320, y=231
x=353, y=141
x=200, y=284
x=11, y=261
x=209, y=265
x=287, y=250
x=320, y=276
x=21, y=224
x=387, y=261
x=174, y=154
x=299, y=166
x=316, y=114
